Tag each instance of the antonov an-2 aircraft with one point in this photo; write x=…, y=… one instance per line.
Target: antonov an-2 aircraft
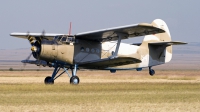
x=101, y=49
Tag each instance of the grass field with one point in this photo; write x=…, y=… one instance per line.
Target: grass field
x=101, y=91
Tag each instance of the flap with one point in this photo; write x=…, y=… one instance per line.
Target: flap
x=107, y=62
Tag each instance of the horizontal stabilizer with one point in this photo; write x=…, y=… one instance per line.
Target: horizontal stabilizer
x=167, y=43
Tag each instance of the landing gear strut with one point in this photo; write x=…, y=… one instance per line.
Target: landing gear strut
x=73, y=79
x=151, y=71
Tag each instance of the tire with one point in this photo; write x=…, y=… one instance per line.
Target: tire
x=47, y=80
x=151, y=72
x=74, y=80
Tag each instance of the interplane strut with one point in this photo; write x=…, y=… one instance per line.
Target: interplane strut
x=120, y=36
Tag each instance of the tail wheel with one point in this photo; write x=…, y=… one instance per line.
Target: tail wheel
x=48, y=80
x=74, y=80
x=151, y=72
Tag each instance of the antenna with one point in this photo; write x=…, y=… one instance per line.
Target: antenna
x=70, y=28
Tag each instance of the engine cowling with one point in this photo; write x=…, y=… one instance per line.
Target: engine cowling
x=51, y=51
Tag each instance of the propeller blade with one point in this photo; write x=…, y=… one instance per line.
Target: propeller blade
x=30, y=38
x=27, y=34
x=39, y=62
x=27, y=59
x=29, y=56
x=39, y=39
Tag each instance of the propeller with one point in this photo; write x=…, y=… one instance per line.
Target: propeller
x=26, y=61
x=35, y=47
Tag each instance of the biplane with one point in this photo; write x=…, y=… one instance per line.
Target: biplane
x=101, y=49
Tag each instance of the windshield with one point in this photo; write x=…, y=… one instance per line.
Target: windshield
x=62, y=38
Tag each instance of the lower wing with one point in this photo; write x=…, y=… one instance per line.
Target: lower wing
x=107, y=62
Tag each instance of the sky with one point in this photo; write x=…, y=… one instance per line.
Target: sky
x=54, y=16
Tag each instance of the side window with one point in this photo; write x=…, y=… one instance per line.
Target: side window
x=69, y=39
x=63, y=39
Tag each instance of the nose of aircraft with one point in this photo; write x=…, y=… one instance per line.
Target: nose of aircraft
x=33, y=48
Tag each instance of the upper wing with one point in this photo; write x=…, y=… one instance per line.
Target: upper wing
x=110, y=34
x=48, y=36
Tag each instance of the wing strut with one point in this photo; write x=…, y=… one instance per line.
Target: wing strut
x=120, y=36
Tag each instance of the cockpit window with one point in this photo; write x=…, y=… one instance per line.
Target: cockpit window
x=64, y=38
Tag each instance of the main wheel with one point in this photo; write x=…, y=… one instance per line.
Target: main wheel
x=48, y=80
x=151, y=72
x=74, y=80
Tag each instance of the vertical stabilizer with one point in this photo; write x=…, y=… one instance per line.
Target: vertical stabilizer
x=158, y=54
x=160, y=37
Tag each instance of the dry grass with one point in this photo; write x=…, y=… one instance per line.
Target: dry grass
x=101, y=91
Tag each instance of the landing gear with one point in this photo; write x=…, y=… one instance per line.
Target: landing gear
x=112, y=71
x=48, y=80
x=73, y=79
x=151, y=71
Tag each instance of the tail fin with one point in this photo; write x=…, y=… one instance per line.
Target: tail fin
x=160, y=37
x=158, y=53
